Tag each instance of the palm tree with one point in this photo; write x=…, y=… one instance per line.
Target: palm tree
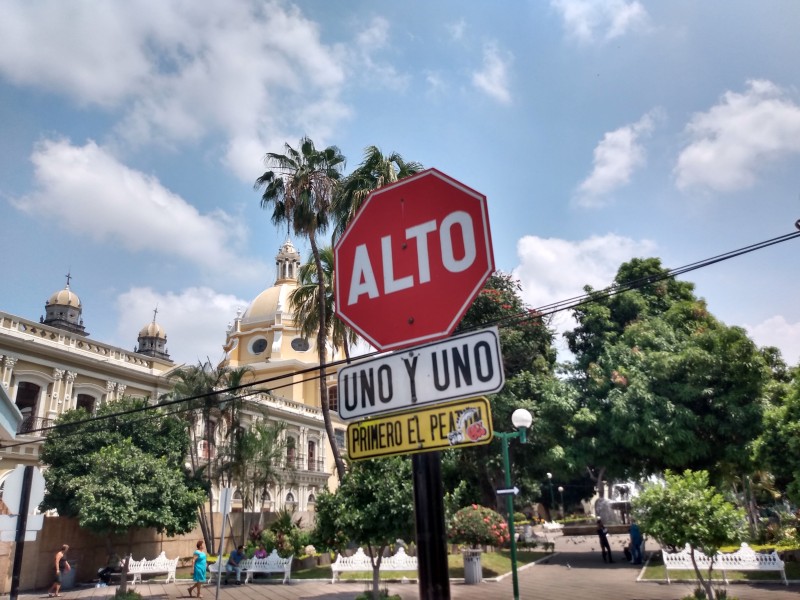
x=305, y=297
x=376, y=170
x=299, y=188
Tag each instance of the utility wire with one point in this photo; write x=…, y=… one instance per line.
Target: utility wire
x=527, y=315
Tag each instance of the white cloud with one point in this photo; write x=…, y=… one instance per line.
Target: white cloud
x=179, y=71
x=362, y=58
x=88, y=192
x=587, y=20
x=493, y=78
x=736, y=138
x=616, y=157
x=179, y=314
x=553, y=270
x=777, y=331
x=456, y=30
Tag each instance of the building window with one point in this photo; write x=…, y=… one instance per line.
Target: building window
x=340, y=439
x=27, y=397
x=86, y=402
x=312, y=456
x=333, y=398
x=291, y=452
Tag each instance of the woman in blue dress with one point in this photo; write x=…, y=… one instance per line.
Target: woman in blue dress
x=199, y=564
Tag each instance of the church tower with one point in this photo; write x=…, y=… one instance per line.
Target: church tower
x=153, y=340
x=64, y=310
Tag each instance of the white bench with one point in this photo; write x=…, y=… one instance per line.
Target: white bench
x=744, y=559
x=400, y=561
x=271, y=564
x=160, y=564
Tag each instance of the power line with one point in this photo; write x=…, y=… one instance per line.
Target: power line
x=537, y=313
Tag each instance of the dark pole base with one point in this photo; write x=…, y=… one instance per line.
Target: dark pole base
x=434, y=577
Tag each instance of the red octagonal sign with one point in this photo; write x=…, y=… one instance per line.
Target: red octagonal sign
x=412, y=260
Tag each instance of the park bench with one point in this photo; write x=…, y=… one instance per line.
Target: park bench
x=271, y=564
x=744, y=559
x=160, y=564
x=400, y=561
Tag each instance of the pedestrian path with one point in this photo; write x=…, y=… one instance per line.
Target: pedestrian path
x=575, y=572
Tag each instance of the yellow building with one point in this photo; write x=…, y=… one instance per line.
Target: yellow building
x=53, y=365
x=267, y=340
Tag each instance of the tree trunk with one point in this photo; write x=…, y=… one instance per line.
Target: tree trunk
x=321, y=339
x=376, y=570
x=598, y=480
x=705, y=583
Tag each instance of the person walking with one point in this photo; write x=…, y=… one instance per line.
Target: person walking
x=199, y=564
x=62, y=567
x=602, y=533
x=636, y=543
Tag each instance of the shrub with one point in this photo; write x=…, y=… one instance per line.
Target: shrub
x=478, y=526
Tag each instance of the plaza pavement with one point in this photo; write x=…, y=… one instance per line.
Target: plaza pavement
x=575, y=572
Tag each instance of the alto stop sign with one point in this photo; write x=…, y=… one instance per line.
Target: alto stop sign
x=412, y=260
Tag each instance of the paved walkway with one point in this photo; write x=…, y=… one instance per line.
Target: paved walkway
x=575, y=572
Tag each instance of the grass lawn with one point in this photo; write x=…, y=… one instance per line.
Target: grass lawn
x=655, y=571
x=493, y=564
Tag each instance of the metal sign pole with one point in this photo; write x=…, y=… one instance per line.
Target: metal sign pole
x=22, y=523
x=434, y=577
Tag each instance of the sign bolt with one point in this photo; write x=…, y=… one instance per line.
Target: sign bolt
x=410, y=320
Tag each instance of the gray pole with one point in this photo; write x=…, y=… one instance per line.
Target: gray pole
x=22, y=524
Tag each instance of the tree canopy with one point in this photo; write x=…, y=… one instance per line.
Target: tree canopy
x=685, y=509
x=373, y=506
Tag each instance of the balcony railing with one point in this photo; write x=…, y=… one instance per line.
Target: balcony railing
x=32, y=425
x=300, y=462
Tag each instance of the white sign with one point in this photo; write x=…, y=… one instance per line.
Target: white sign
x=463, y=366
x=508, y=491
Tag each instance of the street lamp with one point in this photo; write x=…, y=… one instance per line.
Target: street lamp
x=552, y=500
x=561, y=491
x=521, y=419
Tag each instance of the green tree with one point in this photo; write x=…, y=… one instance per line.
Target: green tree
x=115, y=474
x=778, y=447
x=299, y=188
x=375, y=171
x=660, y=383
x=686, y=510
x=372, y=506
x=529, y=362
x=204, y=388
x=304, y=301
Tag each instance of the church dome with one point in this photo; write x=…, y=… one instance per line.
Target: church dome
x=268, y=304
x=275, y=299
x=65, y=297
x=153, y=340
x=153, y=330
x=64, y=311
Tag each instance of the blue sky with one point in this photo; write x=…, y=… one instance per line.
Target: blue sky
x=132, y=133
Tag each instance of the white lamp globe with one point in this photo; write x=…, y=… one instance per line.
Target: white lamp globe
x=521, y=418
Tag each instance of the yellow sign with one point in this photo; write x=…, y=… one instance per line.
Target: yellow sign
x=448, y=425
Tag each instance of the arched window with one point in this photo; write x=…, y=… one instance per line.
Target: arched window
x=86, y=402
x=27, y=398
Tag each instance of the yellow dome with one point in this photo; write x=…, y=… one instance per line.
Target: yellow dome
x=267, y=304
x=152, y=329
x=65, y=297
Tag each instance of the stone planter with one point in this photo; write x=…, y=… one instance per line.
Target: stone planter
x=473, y=572
x=324, y=559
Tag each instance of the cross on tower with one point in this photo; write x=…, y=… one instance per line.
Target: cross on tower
x=155, y=312
x=68, y=278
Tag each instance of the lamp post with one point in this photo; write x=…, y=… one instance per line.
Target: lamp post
x=521, y=419
x=552, y=500
x=561, y=491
